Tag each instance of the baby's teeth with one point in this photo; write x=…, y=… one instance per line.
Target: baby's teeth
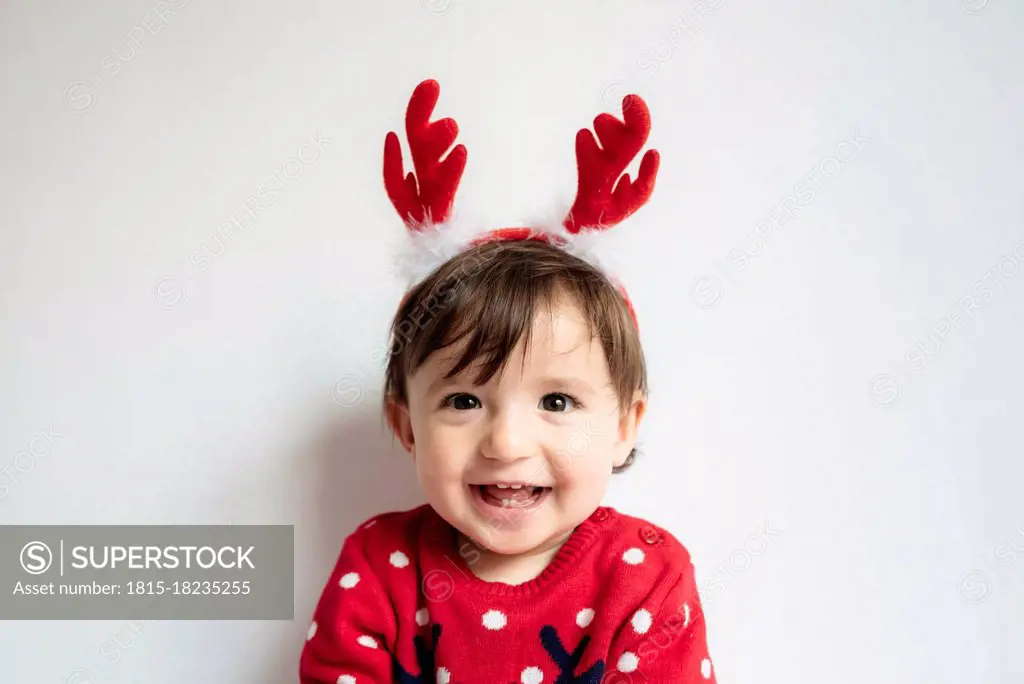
x=517, y=486
x=502, y=486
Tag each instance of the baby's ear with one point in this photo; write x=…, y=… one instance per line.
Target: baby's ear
x=400, y=423
x=629, y=422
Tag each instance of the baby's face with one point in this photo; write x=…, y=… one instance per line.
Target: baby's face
x=517, y=463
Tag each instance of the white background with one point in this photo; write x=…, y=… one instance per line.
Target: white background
x=788, y=387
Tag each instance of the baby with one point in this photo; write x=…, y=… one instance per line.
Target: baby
x=516, y=382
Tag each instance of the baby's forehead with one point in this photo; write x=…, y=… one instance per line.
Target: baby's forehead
x=553, y=336
x=558, y=347
x=543, y=358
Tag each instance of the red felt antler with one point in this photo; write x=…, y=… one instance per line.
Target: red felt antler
x=427, y=194
x=602, y=198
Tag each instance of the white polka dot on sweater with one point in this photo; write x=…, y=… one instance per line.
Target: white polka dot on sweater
x=633, y=556
x=705, y=668
x=686, y=614
x=349, y=580
x=641, y=621
x=531, y=675
x=443, y=675
x=346, y=679
x=494, y=619
x=312, y=630
x=628, y=661
x=422, y=617
x=585, y=617
x=399, y=559
x=367, y=641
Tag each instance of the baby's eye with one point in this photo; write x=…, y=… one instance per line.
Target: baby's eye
x=462, y=402
x=557, y=402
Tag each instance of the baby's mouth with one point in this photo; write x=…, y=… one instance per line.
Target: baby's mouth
x=512, y=496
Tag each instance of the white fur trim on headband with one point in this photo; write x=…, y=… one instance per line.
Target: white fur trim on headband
x=423, y=251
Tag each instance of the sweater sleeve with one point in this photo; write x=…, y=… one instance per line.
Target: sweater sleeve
x=666, y=643
x=352, y=624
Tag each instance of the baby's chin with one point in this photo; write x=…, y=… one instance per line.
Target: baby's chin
x=503, y=545
x=520, y=541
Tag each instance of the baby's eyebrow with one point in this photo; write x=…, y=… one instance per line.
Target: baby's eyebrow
x=442, y=381
x=466, y=376
x=548, y=382
x=570, y=382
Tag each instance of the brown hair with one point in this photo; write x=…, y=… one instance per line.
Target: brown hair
x=490, y=294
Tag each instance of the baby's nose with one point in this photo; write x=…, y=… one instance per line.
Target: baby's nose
x=509, y=439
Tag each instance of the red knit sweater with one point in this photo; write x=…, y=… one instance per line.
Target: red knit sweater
x=618, y=604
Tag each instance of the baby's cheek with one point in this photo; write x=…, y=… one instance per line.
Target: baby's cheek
x=440, y=463
x=587, y=467
x=449, y=445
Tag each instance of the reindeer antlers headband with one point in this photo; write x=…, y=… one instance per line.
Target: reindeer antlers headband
x=424, y=197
